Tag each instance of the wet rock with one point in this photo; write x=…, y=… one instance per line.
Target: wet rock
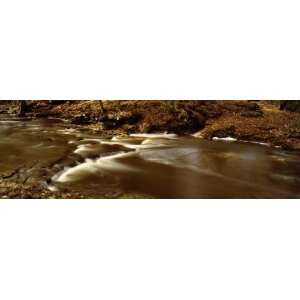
x=252, y=114
x=252, y=106
x=82, y=119
x=56, y=102
x=226, y=132
x=211, y=112
x=198, y=120
x=40, y=114
x=294, y=135
x=112, y=121
x=10, y=173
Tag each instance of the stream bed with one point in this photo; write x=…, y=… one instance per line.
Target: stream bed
x=61, y=156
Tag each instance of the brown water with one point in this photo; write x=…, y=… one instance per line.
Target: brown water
x=163, y=166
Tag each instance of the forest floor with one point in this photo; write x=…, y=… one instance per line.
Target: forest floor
x=273, y=126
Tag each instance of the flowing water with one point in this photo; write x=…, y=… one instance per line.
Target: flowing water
x=163, y=166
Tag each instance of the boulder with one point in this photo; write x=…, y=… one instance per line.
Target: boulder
x=116, y=120
x=226, y=132
x=252, y=113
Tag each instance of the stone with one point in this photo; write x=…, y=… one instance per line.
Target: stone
x=252, y=114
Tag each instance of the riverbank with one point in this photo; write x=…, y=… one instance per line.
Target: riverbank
x=271, y=126
x=254, y=121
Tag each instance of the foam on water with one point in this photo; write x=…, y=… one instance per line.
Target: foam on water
x=78, y=172
x=95, y=166
x=155, y=135
x=121, y=138
x=261, y=143
x=155, y=142
x=68, y=131
x=226, y=139
x=52, y=188
x=93, y=140
x=8, y=122
x=257, y=143
x=37, y=145
x=130, y=146
x=81, y=149
x=114, y=161
x=110, y=162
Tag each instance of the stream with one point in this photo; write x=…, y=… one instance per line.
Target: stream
x=64, y=156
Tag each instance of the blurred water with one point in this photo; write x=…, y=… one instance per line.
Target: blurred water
x=164, y=166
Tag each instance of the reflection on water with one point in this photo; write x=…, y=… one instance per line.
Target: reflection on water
x=164, y=166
